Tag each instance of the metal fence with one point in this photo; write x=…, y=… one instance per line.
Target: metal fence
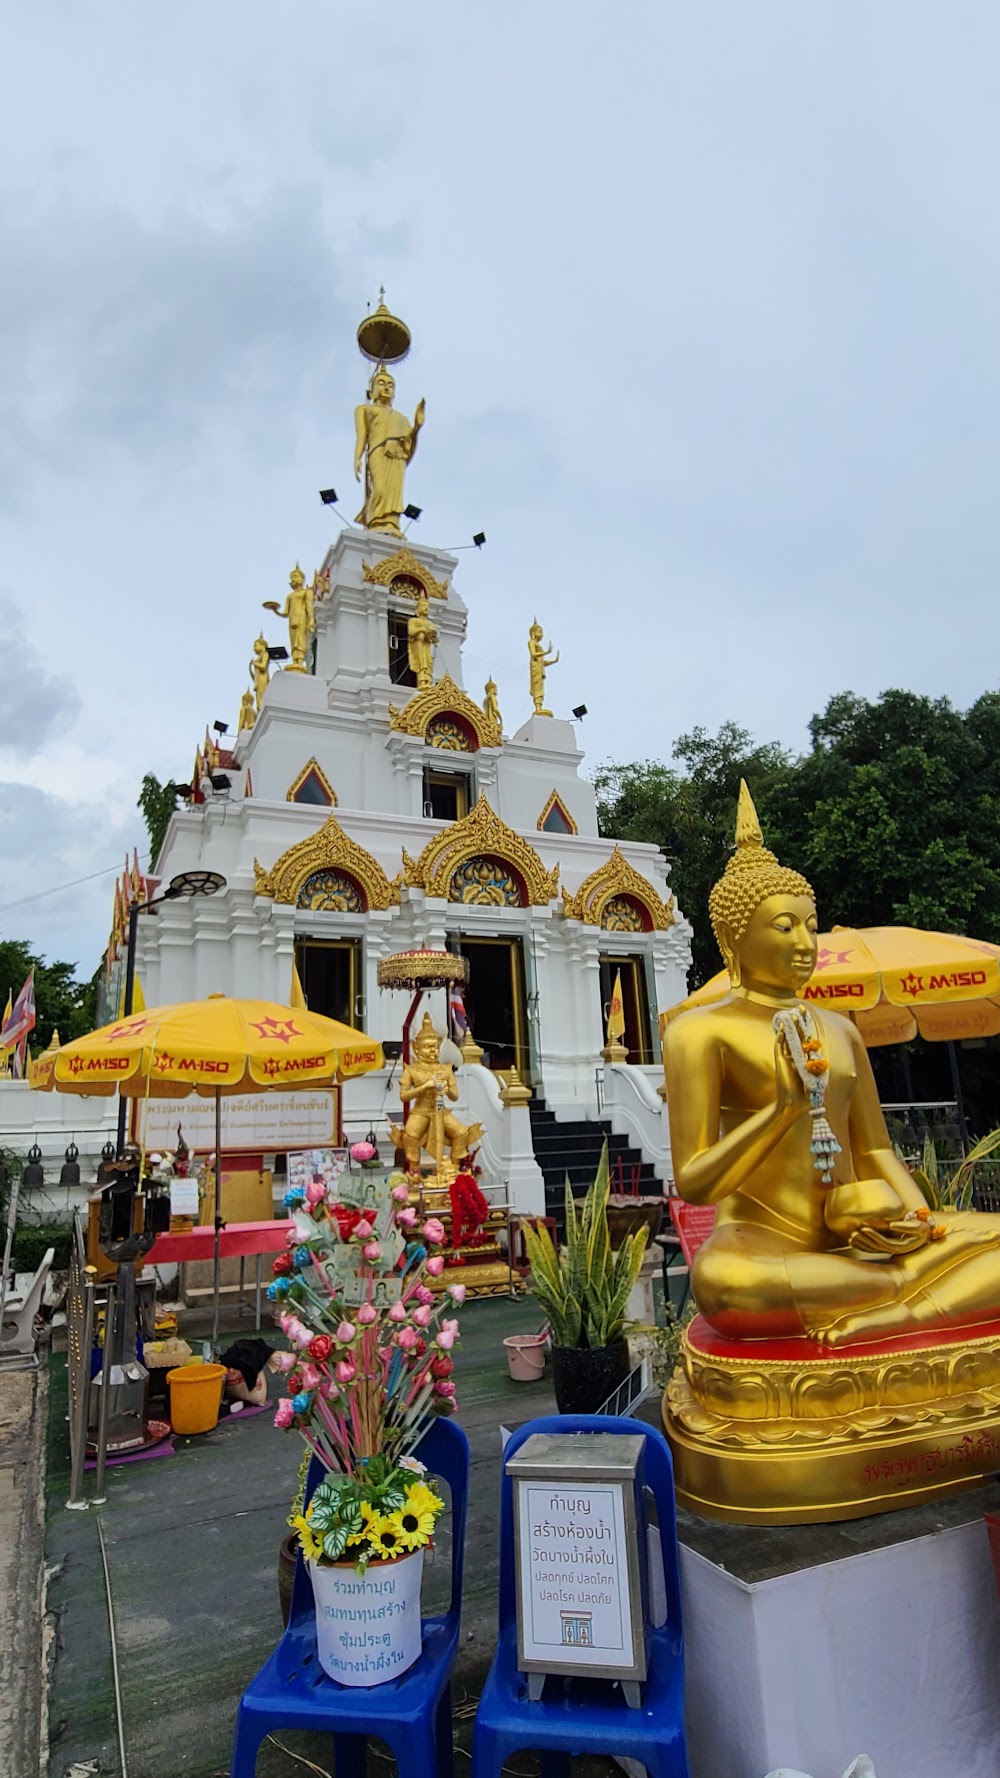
x=85, y=1300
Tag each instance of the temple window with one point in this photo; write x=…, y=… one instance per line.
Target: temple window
x=312, y=790
x=400, y=671
x=331, y=892
x=487, y=882
x=446, y=795
x=329, y=970
x=555, y=817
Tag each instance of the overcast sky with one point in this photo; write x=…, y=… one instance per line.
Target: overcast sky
x=704, y=303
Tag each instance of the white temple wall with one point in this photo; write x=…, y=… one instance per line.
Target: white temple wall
x=543, y=756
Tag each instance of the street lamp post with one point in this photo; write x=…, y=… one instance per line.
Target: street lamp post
x=189, y=882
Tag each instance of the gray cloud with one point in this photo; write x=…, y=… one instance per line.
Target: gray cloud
x=60, y=860
x=35, y=705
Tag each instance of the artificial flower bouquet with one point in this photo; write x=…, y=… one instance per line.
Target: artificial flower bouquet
x=370, y=1363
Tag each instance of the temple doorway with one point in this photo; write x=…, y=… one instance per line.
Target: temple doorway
x=495, y=1000
x=328, y=970
x=638, y=1037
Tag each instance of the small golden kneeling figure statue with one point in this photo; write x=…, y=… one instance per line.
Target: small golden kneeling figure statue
x=426, y=1083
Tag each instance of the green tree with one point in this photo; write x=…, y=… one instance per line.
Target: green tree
x=157, y=802
x=894, y=813
x=689, y=810
x=62, y=1002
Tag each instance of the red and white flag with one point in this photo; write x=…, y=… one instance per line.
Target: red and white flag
x=456, y=1006
x=21, y=1019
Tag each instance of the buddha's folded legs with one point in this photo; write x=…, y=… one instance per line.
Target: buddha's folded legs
x=747, y=1285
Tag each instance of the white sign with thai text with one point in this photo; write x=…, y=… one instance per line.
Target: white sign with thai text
x=256, y=1123
x=574, y=1580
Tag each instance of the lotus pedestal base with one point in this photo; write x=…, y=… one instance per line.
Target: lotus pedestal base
x=786, y=1432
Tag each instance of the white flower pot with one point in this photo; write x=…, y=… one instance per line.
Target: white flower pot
x=368, y=1625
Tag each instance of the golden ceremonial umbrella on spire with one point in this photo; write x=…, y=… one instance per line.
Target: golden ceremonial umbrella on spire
x=895, y=982
x=214, y=1047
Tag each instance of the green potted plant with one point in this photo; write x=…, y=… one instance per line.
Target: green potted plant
x=584, y=1289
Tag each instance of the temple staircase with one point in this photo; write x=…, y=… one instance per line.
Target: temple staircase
x=574, y=1150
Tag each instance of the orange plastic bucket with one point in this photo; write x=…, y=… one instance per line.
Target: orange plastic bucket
x=195, y=1396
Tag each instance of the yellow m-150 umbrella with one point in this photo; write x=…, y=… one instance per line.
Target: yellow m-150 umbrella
x=214, y=1047
x=209, y=1046
x=895, y=981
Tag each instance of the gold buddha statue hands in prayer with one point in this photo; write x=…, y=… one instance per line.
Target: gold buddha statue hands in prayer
x=775, y=1119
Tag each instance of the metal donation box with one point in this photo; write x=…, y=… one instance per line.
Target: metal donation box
x=581, y=1550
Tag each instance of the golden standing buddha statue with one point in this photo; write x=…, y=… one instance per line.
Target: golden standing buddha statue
x=384, y=442
x=421, y=637
x=836, y=1314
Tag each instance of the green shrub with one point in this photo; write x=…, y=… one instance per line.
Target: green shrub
x=584, y=1288
x=31, y=1243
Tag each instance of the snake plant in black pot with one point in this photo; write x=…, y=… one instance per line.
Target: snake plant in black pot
x=584, y=1289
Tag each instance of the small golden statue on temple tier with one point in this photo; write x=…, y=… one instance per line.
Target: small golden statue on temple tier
x=300, y=610
x=260, y=670
x=421, y=639
x=539, y=658
x=248, y=711
x=847, y=1338
x=426, y=1084
x=491, y=704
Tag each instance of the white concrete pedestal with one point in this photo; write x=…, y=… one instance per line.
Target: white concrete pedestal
x=893, y=1651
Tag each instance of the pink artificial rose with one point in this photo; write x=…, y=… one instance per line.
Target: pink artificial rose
x=372, y=1250
x=406, y=1338
x=433, y=1230
x=363, y=1229
x=284, y=1360
x=310, y=1377
x=367, y=1315
x=346, y=1332
x=457, y=1292
x=423, y=1295
x=435, y=1265
x=285, y=1320
x=406, y=1218
x=302, y=1336
x=284, y=1414
x=397, y=1312
x=445, y=1339
x=400, y=1193
x=315, y=1192
x=444, y=1387
x=421, y=1316
x=344, y=1371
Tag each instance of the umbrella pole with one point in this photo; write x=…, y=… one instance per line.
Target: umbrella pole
x=956, y=1083
x=218, y=1223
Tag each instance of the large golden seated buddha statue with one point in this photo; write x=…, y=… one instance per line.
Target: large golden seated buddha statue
x=846, y=1355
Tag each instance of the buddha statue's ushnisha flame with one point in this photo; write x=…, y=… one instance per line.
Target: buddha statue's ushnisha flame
x=752, y=874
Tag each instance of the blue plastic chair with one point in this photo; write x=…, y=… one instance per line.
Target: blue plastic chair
x=587, y=1715
x=412, y=1713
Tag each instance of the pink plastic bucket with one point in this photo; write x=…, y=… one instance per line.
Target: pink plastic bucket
x=525, y=1356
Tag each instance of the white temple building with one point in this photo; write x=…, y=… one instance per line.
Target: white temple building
x=370, y=805
x=360, y=816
